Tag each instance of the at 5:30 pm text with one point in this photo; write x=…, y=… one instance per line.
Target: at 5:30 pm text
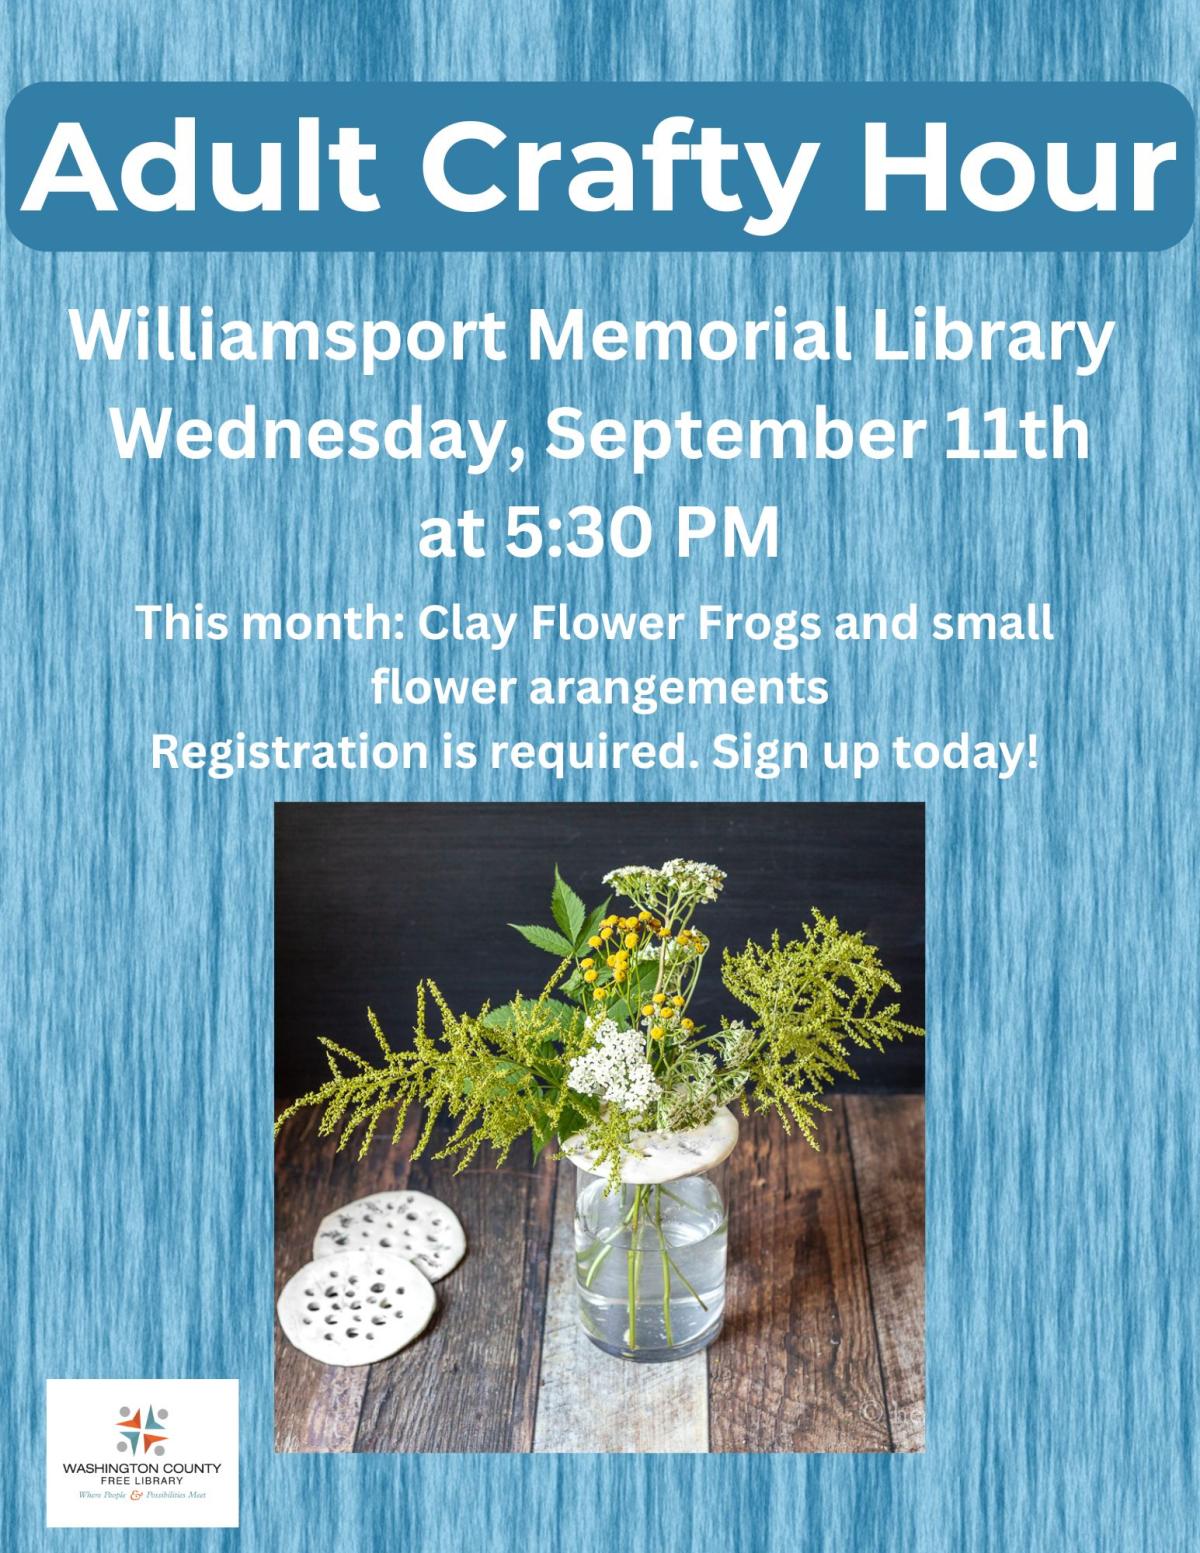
x=585, y=532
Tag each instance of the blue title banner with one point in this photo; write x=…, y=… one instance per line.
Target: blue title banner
x=571, y=166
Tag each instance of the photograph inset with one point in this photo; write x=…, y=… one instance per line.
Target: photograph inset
x=583, y=1148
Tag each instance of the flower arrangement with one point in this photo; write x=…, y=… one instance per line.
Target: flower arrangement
x=609, y=1058
x=608, y=1051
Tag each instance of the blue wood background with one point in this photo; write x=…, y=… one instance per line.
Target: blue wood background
x=1062, y=1311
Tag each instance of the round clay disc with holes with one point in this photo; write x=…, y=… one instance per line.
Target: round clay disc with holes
x=355, y=1307
x=654, y=1158
x=408, y=1224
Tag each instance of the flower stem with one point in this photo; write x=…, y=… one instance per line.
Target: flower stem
x=633, y=1267
x=666, y=1269
x=679, y=1274
x=607, y=1242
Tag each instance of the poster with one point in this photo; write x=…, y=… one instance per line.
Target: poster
x=599, y=767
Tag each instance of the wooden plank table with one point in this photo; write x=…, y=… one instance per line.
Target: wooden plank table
x=823, y=1344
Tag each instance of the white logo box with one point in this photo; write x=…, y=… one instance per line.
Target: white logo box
x=141, y=1452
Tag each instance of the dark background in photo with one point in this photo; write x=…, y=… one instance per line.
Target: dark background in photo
x=369, y=898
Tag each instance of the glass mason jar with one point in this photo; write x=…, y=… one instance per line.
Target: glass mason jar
x=650, y=1265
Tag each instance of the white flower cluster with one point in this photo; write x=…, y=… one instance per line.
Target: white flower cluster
x=632, y=881
x=615, y=1068
x=701, y=881
x=690, y=881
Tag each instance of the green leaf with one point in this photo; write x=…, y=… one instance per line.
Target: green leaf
x=502, y=1018
x=566, y=1014
x=512, y=1073
x=570, y=1121
x=544, y=938
x=569, y=911
x=590, y=927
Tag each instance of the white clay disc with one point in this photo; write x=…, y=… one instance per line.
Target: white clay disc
x=408, y=1224
x=355, y=1307
x=655, y=1157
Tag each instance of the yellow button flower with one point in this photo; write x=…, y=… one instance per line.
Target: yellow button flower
x=677, y=1000
x=594, y=943
x=589, y=976
x=648, y=1010
x=659, y=997
x=606, y=933
x=587, y=964
x=689, y=1024
x=643, y=916
x=599, y=994
x=631, y=940
x=657, y=1032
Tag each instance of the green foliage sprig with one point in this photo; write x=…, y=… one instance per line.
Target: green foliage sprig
x=813, y=999
x=498, y=1075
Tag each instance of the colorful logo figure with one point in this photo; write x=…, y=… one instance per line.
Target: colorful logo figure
x=133, y=1432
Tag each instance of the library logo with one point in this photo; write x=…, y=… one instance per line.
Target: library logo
x=149, y=1437
x=141, y=1452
